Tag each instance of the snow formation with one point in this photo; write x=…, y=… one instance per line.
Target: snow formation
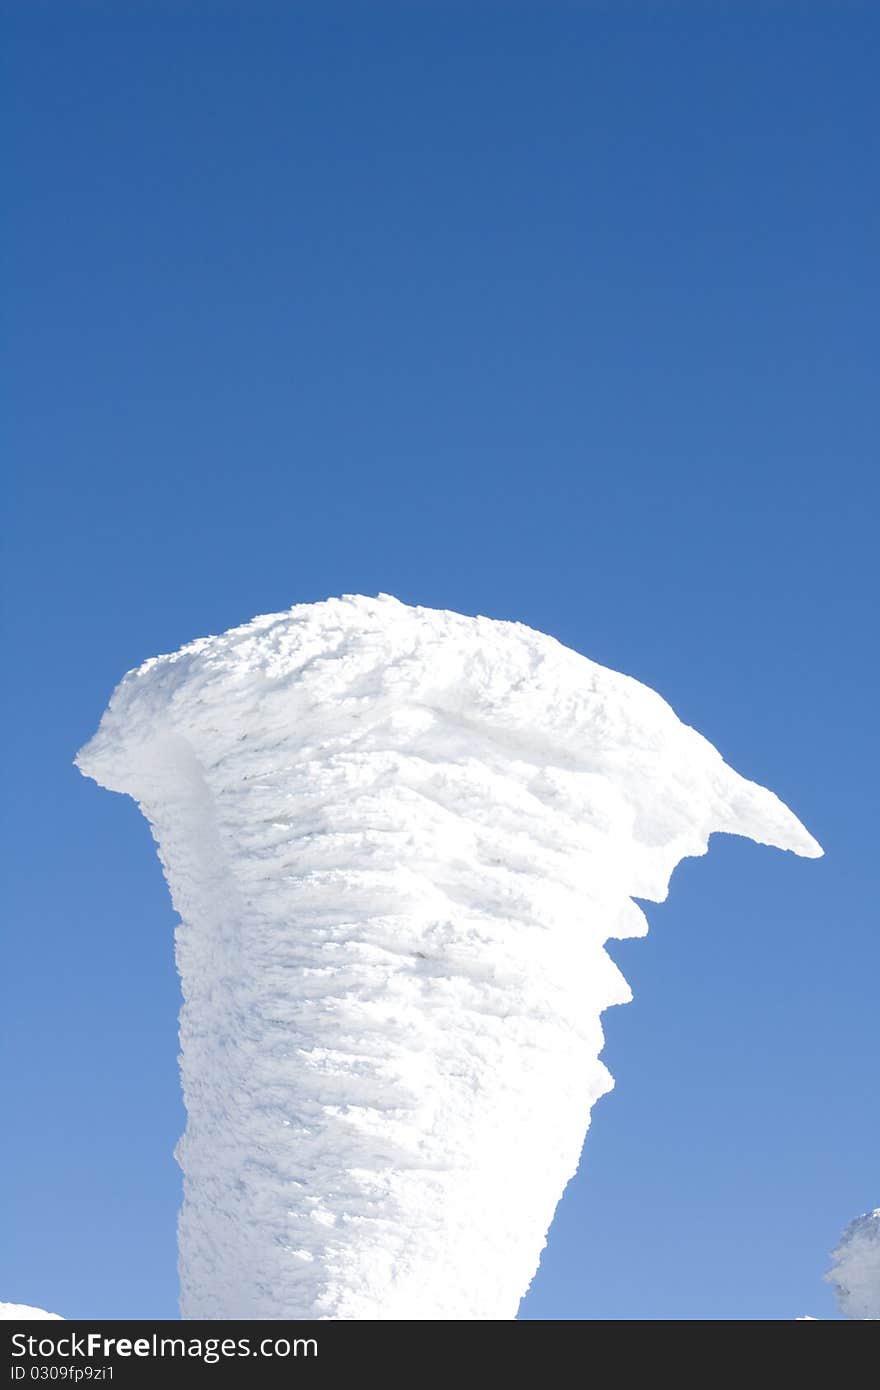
x=22, y=1312
x=855, y=1269
x=398, y=840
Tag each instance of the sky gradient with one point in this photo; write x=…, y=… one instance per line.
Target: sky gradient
x=559, y=313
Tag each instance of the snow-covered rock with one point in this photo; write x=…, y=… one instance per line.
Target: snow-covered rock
x=22, y=1312
x=855, y=1268
x=398, y=840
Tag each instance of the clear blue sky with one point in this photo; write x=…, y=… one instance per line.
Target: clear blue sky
x=565, y=313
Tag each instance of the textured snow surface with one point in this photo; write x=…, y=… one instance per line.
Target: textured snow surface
x=398, y=839
x=855, y=1268
x=22, y=1312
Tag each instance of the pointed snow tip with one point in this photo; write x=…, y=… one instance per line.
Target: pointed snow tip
x=790, y=834
x=810, y=848
x=758, y=813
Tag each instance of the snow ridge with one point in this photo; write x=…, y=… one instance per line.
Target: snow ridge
x=398, y=840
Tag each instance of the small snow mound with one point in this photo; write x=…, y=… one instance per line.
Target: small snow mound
x=22, y=1312
x=855, y=1270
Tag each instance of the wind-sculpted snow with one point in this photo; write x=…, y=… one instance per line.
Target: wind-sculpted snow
x=855, y=1268
x=398, y=840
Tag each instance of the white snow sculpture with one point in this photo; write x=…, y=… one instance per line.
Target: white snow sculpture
x=398, y=840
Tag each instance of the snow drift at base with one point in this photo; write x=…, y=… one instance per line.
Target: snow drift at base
x=398, y=840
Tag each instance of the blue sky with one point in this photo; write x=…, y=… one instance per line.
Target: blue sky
x=562, y=313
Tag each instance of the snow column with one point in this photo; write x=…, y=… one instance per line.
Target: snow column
x=397, y=840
